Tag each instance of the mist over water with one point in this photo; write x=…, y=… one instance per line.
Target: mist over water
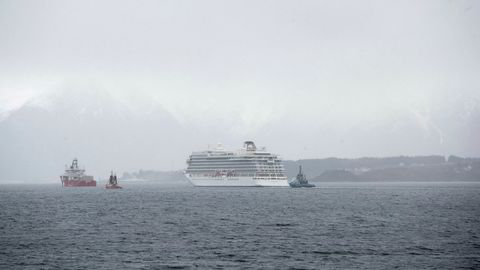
x=106, y=132
x=139, y=85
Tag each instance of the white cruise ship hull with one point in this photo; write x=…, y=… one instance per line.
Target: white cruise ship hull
x=237, y=182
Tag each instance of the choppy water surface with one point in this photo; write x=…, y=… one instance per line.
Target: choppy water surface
x=149, y=226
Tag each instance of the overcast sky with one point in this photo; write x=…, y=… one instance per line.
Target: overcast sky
x=338, y=66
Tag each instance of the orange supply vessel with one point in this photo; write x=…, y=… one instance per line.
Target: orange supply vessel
x=76, y=177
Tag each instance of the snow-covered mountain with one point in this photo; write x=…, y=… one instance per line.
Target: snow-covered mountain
x=107, y=132
x=103, y=132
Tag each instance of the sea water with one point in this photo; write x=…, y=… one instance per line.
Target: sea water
x=156, y=226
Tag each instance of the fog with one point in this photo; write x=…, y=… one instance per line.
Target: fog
x=128, y=85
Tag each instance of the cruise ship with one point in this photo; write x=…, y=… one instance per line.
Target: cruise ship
x=247, y=167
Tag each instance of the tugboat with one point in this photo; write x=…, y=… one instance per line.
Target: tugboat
x=76, y=177
x=300, y=180
x=112, y=182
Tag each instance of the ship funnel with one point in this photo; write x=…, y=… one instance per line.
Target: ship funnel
x=249, y=146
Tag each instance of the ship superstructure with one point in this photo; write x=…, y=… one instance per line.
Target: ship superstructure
x=248, y=166
x=76, y=177
x=112, y=182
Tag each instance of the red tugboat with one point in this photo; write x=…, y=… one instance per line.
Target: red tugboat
x=76, y=177
x=112, y=182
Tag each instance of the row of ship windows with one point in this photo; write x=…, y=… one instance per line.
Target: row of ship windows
x=233, y=166
x=234, y=162
x=77, y=177
x=233, y=158
x=216, y=155
x=237, y=163
x=210, y=170
x=237, y=175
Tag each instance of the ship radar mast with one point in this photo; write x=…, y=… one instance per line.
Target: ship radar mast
x=301, y=178
x=74, y=164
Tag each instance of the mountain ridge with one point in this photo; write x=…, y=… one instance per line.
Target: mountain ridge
x=106, y=132
x=401, y=168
